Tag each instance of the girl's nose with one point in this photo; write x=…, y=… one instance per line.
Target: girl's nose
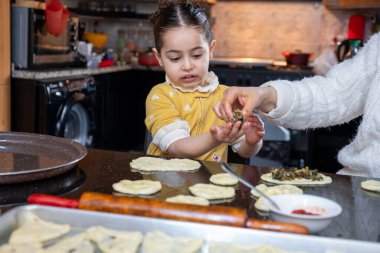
x=187, y=64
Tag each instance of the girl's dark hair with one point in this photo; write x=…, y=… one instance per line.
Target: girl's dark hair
x=180, y=13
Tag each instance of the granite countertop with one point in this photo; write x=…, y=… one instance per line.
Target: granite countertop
x=101, y=168
x=53, y=73
x=43, y=74
x=268, y=65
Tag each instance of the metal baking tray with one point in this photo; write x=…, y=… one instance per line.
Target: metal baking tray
x=81, y=219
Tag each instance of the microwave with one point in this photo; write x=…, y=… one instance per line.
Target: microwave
x=34, y=48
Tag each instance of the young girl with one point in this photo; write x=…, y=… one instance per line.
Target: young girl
x=179, y=112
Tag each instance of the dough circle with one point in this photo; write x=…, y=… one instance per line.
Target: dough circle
x=274, y=190
x=187, y=199
x=302, y=181
x=371, y=185
x=147, y=163
x=137, y=187
x=210, y=191
x=223, y=179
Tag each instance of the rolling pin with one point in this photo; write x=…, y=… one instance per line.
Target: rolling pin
x=218, y=215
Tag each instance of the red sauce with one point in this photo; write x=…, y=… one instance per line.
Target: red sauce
x=302, y=211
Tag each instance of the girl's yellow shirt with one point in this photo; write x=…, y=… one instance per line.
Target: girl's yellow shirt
x=166, y=105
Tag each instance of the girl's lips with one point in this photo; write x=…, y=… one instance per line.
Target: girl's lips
x=189, y=78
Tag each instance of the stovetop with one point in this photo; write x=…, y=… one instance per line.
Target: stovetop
x=257, y=64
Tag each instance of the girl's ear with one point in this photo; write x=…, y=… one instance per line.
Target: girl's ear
x=157, y=55
x=212, y=48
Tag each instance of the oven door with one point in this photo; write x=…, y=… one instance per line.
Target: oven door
x=75, y=120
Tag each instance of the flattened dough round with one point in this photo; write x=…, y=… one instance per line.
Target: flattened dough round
x=268, y=178
x=275, y=190
x=371, y=185
x=223, y=179
x=210, y=191
x=187, y=199
x=137, y=187
x=159, y=164
x=260, y=187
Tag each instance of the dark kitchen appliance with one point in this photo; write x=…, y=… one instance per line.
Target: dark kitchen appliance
x=33, y=47
x=60, y=107
x=347, y=49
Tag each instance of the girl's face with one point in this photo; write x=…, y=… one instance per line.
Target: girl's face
x=185, y=56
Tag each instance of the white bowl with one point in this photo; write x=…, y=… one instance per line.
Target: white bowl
x=327, y=210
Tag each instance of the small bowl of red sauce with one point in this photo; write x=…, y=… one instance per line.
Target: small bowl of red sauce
x=314, y=212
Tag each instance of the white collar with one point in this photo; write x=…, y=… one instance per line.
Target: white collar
x=211, y=79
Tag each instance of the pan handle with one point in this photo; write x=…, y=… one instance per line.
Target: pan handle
x=50, y=200
x=276, y=226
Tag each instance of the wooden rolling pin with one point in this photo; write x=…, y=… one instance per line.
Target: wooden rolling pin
x=218, y=215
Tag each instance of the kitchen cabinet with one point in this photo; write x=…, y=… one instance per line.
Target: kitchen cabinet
x=351, y=4
x=5, y=68
x=121, y=100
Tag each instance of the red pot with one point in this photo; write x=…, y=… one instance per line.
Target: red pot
x=148, y=59
x=297, y=58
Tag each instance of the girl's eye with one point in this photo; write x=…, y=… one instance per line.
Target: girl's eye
x=174, y=59
x=196, y=56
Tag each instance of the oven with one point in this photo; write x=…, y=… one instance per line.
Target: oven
x=33, y=47
x=59, y=107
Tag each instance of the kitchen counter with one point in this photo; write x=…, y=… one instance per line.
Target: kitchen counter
x=101, y=168
x=246, y=64
x=52, y=73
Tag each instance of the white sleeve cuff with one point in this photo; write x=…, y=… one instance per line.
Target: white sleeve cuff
x=285, y=98
x=236, y=144
x=168, y=134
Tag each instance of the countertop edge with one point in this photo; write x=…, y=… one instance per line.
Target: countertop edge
x=37, y=75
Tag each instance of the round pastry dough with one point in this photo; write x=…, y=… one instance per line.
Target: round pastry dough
x=275, y=190
x=210, y=191
x=159, y=164
x=302, y=181
x=260, y=187
x=137, y=187
x=187, y=199
x=371, y=185
x=223, y=179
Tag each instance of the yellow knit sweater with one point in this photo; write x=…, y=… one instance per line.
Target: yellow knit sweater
x=173, y=114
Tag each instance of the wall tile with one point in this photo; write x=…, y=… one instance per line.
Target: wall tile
x=265, y=29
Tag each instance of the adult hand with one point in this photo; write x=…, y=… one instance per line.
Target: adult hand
x=246, y=99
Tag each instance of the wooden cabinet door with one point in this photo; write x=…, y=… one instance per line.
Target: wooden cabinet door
x=5, y=69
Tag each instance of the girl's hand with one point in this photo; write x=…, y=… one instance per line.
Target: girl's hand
x=228, y=133
x=253, y=129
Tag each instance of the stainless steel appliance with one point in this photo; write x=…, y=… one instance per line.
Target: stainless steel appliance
x=33, y=47
x=60, y=107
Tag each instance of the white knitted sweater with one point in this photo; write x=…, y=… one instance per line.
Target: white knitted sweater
x=350, y=89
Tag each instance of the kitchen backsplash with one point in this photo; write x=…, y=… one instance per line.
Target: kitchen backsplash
x=259, y=29
x=262, y=29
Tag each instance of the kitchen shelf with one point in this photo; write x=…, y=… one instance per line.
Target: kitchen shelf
x=352, y=4
x=109, y=14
